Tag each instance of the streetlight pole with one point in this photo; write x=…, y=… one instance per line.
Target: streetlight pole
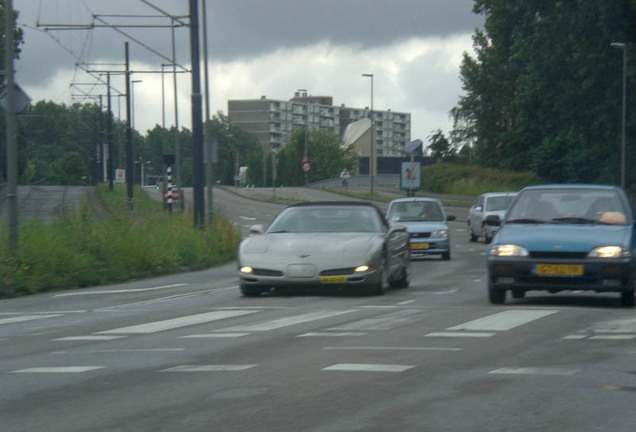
x=304, y=92
x=623, y=46
x=372, y=154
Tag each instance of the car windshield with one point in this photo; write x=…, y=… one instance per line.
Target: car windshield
x=598, y=206
x=416, y=211
x=326, y=219
x=498, y=203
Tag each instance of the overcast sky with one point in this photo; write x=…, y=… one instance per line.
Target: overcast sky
x=256, y=48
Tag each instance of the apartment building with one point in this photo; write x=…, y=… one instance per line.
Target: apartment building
x=273, y=121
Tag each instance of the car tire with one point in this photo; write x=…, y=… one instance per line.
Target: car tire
x=379, y=288
x=446, y=256
x=248, y=291
x=487, y=238
x=405, y=277
x=471, y=237
x=627, y=298
x=496, y=295
x=518, y=293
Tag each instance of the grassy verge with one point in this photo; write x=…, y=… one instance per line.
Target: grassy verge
x=87, y=249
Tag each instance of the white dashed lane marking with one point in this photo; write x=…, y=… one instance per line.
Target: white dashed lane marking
x=67, y=369
x=361, y=367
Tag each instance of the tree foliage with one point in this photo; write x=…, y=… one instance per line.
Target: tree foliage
x=543, y=89
x=325, y=155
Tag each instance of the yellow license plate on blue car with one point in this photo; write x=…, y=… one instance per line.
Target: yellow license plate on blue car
x=558, y=269
x=333, y=279
x=419, y=246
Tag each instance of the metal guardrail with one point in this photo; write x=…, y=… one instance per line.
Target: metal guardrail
x=381, y=180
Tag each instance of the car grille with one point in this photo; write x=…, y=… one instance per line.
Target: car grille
x=337, y=272
x=558, y=255
x=265, y=272
x=420, y=235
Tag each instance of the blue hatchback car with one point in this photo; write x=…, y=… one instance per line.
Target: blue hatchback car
x=427, y=225
x=564, y=237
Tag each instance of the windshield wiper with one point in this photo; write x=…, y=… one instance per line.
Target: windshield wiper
x=525, y=221
x=574, y=219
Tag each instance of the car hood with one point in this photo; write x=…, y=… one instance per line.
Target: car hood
x=570, y=238
x=297, y=244
x=415, y=227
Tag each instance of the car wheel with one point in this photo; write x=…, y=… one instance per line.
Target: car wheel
x=496, y=296
x=627, y=298
x=446, y=256
x=249, y=291
x=487, y=238
x=380, y=286
x=471, y=237
x=518, y=293
x=405, y=276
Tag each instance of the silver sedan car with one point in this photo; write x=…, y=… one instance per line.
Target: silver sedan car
x=325, y=246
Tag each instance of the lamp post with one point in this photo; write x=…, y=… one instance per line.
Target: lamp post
x=372, y=154
x=623, y=46
x=304, y=92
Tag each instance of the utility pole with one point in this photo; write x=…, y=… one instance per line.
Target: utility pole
x=129, y=144
x=197, y=117
x=208, y=141
x=12, y=145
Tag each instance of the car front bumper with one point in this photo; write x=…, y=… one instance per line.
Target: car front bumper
x=597, y=275
x=428, y=247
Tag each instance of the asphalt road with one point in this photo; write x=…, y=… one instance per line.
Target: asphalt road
x=187, y=353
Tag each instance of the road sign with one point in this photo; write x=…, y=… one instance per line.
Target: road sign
x=305, y=165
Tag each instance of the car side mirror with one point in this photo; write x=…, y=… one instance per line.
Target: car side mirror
x=256, y=229
x=479, y=208
x=450, y=218
x=493, y=220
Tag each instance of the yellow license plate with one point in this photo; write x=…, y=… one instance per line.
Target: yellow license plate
x=333, y=279
x=559, y=269
x=419, y=246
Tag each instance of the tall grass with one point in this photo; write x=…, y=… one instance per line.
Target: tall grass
x=471, y=180
x=89, y=249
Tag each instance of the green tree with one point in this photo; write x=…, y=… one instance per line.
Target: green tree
x=440, y=147
x=325, y=154
x=542, y=92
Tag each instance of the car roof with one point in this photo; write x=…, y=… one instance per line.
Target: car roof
x=492, y=194
x=415, y=199
x=334, y=204
x=574, y=186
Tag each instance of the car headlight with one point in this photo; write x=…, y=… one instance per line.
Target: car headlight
x=439, y=234
x=608, y=252
x=362, y=269
x=508, y=250
x=246, y=270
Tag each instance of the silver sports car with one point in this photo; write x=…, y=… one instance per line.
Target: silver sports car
x=322, y=245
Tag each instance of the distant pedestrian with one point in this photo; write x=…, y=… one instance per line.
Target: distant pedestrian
x=344, y=176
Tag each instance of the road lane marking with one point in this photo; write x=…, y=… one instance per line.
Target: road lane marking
x=535, y=371
x=213, y=335
x=121, y=291
x=613, y=337
x=66, y=369
x=359, y=367
x=506, y=320
x=460, y=334
x=393, y=348
x=288, y=321
x=333, y=334
x=175, y=323
x=89, y=338
x=209, y=368
x=24, y=318
x=384, y=322
x=134, y=350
